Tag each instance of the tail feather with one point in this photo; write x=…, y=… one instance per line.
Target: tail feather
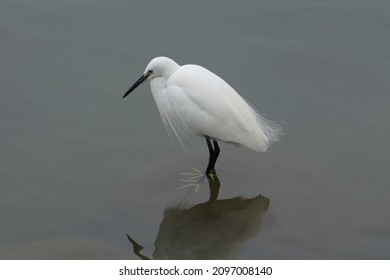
x=272, y=129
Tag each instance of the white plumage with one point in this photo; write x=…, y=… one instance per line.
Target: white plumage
x=193, y=100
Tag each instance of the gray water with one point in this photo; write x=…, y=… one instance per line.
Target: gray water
x=80, y=167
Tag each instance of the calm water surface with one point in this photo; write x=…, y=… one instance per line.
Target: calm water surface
x=80, y=167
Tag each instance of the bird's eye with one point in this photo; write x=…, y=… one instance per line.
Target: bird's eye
x=150, y=72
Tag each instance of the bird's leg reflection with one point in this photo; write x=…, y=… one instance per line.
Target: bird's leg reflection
x=214, y=185
x=195, y=179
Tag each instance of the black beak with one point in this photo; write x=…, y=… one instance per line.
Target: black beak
x=136, y=84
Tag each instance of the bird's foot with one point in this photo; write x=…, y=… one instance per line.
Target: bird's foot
x=194, y=179
x=211, y=176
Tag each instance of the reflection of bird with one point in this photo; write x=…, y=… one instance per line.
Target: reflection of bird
x=210, y=230
x=193, y=100
x=137, y=248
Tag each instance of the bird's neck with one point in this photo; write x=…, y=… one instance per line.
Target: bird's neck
x=158, y=85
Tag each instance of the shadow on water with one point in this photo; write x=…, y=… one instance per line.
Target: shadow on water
x=214, y=229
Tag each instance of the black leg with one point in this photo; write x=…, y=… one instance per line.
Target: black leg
x=214, y=153
x=216, y=149
x=209, y=145
x=211, y=151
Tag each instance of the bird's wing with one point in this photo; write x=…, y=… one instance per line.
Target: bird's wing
x=205, y=104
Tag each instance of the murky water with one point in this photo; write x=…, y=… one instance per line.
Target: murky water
x=80, y=167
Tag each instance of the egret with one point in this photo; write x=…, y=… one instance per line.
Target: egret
x=193, y=100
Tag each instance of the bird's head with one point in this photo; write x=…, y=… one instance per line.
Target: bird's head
x=161, y=66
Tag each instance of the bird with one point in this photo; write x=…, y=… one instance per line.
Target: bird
x=194, y=101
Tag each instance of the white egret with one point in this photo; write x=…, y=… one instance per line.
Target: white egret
x=193, y=100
